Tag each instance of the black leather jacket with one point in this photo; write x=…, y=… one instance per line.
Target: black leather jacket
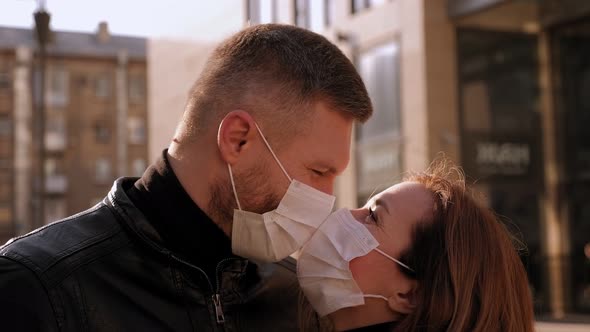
x=105, y=270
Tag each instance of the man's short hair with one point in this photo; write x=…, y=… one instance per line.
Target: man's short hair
x=275, y=72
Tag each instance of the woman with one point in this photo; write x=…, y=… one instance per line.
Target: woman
x=429, y=257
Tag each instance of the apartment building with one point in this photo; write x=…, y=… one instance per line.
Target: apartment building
x=96, y=121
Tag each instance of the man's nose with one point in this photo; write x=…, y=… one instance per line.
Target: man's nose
x=329, y=190
x=325, y=186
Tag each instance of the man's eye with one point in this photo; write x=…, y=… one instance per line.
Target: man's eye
x=318, y=173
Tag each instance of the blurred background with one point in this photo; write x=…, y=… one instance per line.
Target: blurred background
x=92, y=90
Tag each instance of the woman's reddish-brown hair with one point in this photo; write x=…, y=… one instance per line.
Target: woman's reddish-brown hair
x=468, y=269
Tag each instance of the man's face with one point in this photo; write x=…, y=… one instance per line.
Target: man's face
x=315, y=157
x=321, y=152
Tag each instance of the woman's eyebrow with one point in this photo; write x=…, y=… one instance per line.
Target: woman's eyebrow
x=383, y=203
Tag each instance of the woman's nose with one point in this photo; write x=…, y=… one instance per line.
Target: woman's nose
x=359, y=214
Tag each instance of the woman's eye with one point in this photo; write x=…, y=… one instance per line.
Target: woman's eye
x=372, y=214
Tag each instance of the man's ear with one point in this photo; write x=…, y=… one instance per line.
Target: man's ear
x=403, y=302
x=236, y=131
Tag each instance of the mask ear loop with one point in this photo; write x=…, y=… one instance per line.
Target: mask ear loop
x=233, y=185
x=272, y=152
x=393, y=259
x=376, y=296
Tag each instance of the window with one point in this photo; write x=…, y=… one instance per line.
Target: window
x=329, y=11
x=102, y=133
x=378, y=140
x=301, y=10
x=358, y=5
x=497, y=84
x=57, y=91
x=55, y=136
x=253, y=12
x=50, y=166
x=4, y=80
x=5, y=127
x=317, y=15
x=103, y=170
x=81, y=81
x=268, y=11
x=136, y=130
x=138, y=167
x=380, y=71
x=56, y=181
x=261, y=11
x=137, y=89
x=103, y=86
x=375, y=3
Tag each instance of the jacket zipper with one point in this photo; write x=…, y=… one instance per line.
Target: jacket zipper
x=217, y=297
x=218, y=309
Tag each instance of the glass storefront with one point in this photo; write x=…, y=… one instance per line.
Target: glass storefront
x=502, y=149
x=500, y=129
x=571, y=53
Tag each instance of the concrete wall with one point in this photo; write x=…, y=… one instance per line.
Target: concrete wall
x=442, y=131
x=173, y=67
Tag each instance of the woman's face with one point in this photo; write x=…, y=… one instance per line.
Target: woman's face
x=390, y=216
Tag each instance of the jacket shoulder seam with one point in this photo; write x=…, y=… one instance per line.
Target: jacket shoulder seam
x=53, y=224
x=66, y=252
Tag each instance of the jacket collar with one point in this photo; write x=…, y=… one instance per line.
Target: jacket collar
x=157, y=208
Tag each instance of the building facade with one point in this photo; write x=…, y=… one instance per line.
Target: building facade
x=95, y=127
x=499, y=86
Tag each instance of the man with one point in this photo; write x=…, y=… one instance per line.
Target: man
x=157, y=254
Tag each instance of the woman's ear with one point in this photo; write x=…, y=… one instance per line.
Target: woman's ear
x=236, y=131
x=404, y=302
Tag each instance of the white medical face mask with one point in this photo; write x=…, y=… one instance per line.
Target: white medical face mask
x=276, y=234
x=323, y=266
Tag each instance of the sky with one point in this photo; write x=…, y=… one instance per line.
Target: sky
x=176, y=19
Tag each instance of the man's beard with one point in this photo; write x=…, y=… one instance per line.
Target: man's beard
x=254, y=192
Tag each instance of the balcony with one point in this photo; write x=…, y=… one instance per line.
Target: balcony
x=56, y=184
x=55, y=137
x=55, y=142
